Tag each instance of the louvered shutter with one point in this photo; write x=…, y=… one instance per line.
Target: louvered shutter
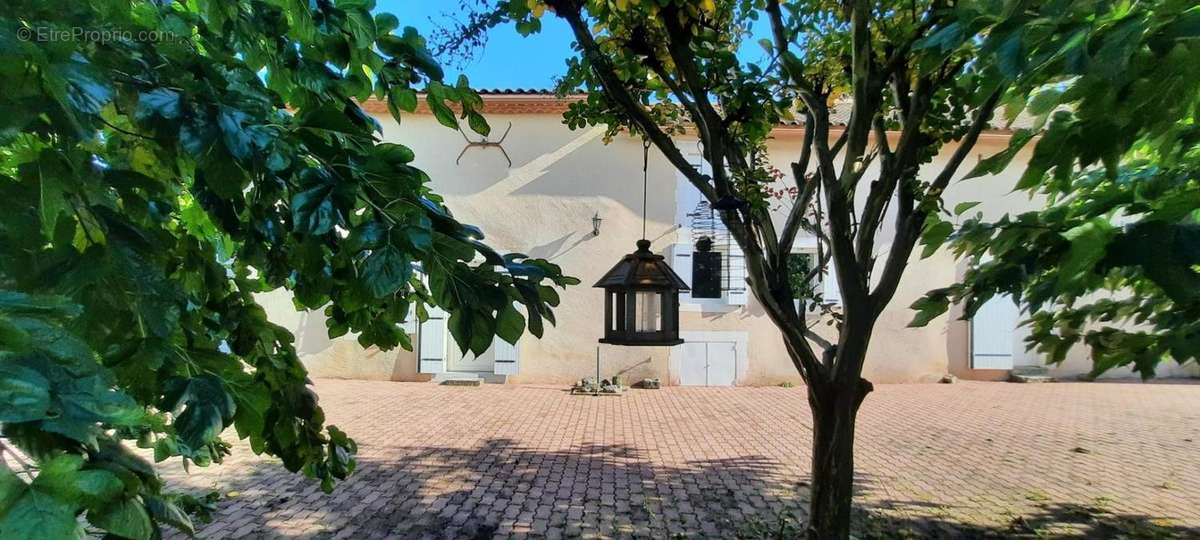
x=830, y=288
x=739, y=291
x=506, y=357
x=681, y=263
x=432, y=342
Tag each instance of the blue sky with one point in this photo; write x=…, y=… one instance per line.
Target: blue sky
x=509, y=60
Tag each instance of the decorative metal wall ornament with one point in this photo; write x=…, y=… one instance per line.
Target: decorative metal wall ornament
x=641, y=293
x=485, y=143
x=707, y=228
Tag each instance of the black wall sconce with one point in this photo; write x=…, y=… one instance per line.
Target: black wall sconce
x=596, y=219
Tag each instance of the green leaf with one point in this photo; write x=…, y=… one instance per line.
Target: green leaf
x=420, y=238
x=166, y=511
x=11, y=487
x=39, y=304
x=202, y=406
x=944, y=39
x=330, y=119
x=403, y=98
x=24, y=394
x=385, y=271
x=59, y=475
x=52, y=338
x=1000, y=161
x=369, y=235
x=929, y=307
x=510, y=324
x=41, y=515
x=1088, y=242
x=52, y=194
x=312, y=210
x=962, y=207
x=934, y=235
x=160, y=102
x=444, y=115
x=478, y=123
x=386, y=22
x=394, y=154
x=97, y=487
x=126, y=518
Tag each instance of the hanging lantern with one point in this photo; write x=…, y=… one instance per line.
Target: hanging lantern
x=641, y=300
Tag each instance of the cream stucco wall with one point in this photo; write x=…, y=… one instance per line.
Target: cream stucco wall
x=543, y=205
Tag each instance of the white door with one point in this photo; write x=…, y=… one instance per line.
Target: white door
x=722, y=364
x=432, y=342
x=711, y=363
x=693, y=370
x=468, y=361
x=993, y=334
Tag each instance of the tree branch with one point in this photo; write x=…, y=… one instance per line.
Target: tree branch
x=616, y=89
x=910, y=222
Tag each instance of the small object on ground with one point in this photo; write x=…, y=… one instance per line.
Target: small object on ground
x=590, y=386
x=1081, y=450
x=651, y=384
x=948, y=379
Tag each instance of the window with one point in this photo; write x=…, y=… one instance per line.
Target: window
x=696, y=222
x=800, y=265
x=823, y=284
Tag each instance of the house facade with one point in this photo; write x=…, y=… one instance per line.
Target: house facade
x=539, y=191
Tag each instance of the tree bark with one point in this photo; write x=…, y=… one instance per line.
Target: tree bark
x=834, y=409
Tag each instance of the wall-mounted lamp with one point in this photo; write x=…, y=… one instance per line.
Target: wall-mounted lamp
x=596, y=219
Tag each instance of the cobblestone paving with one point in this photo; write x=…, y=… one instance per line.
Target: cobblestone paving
x=504, y=460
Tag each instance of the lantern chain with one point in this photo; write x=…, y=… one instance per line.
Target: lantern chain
x=645, y=180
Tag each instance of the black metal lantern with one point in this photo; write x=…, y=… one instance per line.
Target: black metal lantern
x=641, y=300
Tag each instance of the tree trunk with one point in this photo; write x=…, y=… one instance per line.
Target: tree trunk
x=834, y=408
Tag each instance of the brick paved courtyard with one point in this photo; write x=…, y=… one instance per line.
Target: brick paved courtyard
x=500, y=460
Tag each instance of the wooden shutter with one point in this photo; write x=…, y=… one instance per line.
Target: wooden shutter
x=506, y=357
x=432, y=342
x=739, y=291
x=681, y=263
x=829, y=287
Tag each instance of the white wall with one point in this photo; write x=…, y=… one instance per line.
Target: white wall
x=543, y=206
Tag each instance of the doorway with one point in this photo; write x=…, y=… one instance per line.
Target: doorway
x=708, y=363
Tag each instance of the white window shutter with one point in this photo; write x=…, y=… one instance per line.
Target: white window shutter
x=829, y=285
x=506, y=357
x=681, y=263
x=432, y=342
x=739, y=291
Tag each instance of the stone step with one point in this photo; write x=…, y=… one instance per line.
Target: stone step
x=1030, y=374
x=1031, y=370
x=462, y=382
x=467, y=378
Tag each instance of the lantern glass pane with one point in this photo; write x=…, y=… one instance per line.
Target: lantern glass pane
x=649, y=312
x=614, y=313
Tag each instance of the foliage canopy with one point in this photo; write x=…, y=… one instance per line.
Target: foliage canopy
x=161, y=163
x=1113, y=261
